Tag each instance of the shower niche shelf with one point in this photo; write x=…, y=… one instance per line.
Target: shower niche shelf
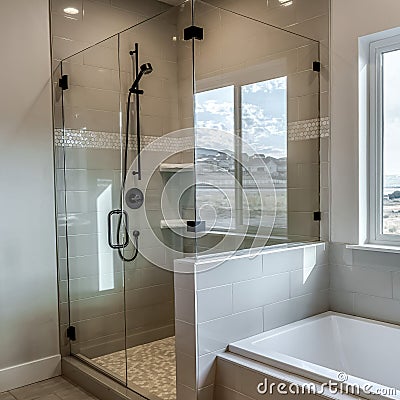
x=177, y=195
x=174, y=168
x=173, y=223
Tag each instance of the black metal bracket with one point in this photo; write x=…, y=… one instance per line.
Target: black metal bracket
x=193, y=32
x=196, y=226
x=317, y=216
x=316, y=66
x=63, y=82
x=136, y=91
x=71, y=333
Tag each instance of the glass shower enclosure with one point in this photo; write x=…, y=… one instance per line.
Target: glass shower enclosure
x=214, y=149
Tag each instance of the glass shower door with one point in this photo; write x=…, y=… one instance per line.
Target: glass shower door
x=166, y=180
x=119, y=306
x=91, y=149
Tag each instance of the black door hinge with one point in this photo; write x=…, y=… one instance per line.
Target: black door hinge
x=317, y=216
x=193, y=32
x=316, y=66
x=63, y=82
x=71, y=333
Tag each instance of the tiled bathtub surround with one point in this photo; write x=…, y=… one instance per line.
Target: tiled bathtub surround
x=238, y=298
x=362, y=283
x=238, y=378
x=365, y=283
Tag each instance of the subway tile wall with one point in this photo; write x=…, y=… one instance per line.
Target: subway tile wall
x=97, y=20
x=365, y=283
x=226, y=301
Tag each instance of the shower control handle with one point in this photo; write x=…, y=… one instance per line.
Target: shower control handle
x=122, y=214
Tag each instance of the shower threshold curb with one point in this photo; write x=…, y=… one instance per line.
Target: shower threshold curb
x=94, y=382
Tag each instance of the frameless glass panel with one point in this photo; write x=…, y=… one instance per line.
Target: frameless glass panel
x=158, y=191
x=91, y=146
x=257, y=133
x=264, y=130
x=391, y=143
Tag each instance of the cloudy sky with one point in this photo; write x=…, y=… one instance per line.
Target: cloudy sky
x=391, y=113
x=264, y=118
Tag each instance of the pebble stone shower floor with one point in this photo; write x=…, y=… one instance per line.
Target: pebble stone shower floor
x=151, y=367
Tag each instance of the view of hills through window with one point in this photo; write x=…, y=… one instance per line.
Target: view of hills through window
x=228, y=198
x=215, y=162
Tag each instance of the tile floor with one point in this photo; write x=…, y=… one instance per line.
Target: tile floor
x=151, y=368
x=51, y=389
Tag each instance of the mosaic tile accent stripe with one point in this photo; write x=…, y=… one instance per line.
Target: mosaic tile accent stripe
x=300, y=130
x=109, y=140
x=87, y=139
x=309, y=129
x=151, y=367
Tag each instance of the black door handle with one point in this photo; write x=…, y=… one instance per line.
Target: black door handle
x=122, y=214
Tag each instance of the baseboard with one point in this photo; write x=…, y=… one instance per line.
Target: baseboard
x=31, y=372
x=95, y=382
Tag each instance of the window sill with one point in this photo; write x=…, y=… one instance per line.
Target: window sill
x=375, y=247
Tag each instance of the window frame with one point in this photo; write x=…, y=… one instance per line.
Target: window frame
x=376, y=133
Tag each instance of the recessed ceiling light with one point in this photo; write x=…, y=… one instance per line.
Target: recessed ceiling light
x=71, y=10
x=286, y=3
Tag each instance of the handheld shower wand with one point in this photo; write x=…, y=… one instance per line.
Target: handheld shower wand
x=145, y=69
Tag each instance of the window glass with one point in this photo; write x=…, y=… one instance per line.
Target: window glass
x=391, y=142
x=264, y=133
x=215, y=166
x=241, y=177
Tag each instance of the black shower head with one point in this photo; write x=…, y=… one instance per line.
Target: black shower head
x=145, y=69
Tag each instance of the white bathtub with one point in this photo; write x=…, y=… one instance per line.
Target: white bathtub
x=333, y=347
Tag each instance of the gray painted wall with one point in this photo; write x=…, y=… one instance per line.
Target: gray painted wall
x=28, y=284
